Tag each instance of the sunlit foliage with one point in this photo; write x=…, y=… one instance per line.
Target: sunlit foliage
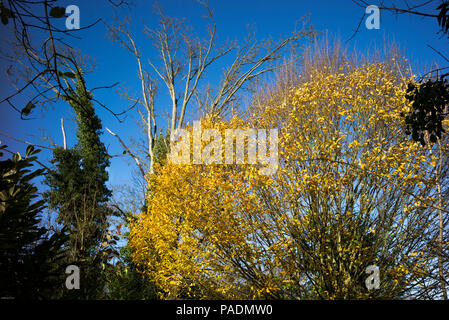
x=351, y=191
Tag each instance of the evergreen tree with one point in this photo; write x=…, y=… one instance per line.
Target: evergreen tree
x=79, y=193
x=30, y=260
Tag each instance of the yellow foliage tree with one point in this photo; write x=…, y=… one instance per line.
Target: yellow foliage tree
x=350, y=191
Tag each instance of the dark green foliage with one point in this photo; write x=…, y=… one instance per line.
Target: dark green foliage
x=30, y=260
x=160, y=149
x=57, y=12
x=428, y=109
x=94, y=158
x=27, y=109
x=126, y=283
x=79, y=194
x=161, y=146
x=429, y=98
x=70, y=75
x=5, y=14
x=64, y=180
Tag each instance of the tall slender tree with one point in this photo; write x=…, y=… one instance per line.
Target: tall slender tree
x=78, y=192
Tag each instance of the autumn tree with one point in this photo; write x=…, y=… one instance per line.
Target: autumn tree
x=350, y=191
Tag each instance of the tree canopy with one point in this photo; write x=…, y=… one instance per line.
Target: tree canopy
x=351, y=191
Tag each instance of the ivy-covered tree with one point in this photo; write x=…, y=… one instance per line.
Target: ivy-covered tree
x=79, y=194
x=30, y=260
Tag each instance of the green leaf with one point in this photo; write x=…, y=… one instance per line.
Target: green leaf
x=16, y=157
x=27, y=110
x=70, y=75
x=29, y=151
x=8, y=13
x=57, y=12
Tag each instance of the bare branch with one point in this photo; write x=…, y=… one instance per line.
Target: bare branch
x=26, y=142
x=136, y=159
x=63, y=134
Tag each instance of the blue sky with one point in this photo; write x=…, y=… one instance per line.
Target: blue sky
x=270, y=19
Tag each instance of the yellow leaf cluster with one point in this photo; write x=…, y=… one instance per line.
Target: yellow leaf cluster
x=343, y=198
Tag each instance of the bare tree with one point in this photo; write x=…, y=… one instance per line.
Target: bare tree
x=184, y=59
